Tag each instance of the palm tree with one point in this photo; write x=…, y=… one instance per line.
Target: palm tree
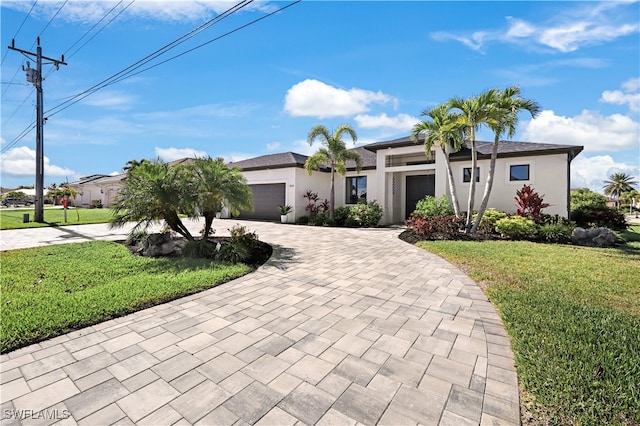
x=218, y=186
x=507, y=105
x=153, y=192
x=442, y=131
x=617, y=184
x=334, y=153
x=474, y=112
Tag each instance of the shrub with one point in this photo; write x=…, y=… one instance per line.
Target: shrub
x=435, y=227
x=341, y=215
x=366, y=214
x=240, y=245
x=303, y=220
x=555, y=233
x=516, y=227
x=95, y=204
x=529, y=203
x=137, y=238
x=587, y=217
x=320, y=218
x=489, y=219
x=200, y=249
x=431, y=206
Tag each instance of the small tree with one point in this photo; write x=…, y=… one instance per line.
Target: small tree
x=333, y=154
x=618, y=184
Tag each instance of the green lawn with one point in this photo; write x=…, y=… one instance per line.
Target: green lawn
x=11, y=218
x=573, y=315
x=47, y=291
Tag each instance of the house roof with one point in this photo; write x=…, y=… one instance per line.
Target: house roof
x=99, y=179
x=292, y=159
x=505, y=148
x=271, y=161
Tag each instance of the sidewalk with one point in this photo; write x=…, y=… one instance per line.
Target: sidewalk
x=340, y=326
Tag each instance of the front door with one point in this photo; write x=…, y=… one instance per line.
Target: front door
x=417, y=187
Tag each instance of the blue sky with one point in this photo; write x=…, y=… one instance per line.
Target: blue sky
x=259, y=90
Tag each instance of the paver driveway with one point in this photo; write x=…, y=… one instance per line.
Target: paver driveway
x=341, y=326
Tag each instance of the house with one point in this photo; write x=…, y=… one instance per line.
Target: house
x=397, y=174
x=97, y=187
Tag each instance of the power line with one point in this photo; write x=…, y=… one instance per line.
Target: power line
x=19, y=28
x=203, y=44
x=64, y=105
x=52, y=18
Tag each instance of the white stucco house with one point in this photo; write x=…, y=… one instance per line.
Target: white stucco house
x=397, y=174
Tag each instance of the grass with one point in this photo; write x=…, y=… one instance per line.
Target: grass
x=573, y=315
x=48, y=291
x=11, y=218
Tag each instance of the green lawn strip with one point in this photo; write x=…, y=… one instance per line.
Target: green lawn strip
x=11, y=218
x=573, y=314
x=47, y=291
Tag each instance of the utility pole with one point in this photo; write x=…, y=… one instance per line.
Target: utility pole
x=35, y=77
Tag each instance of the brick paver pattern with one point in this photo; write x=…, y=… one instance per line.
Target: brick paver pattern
x=340, y=326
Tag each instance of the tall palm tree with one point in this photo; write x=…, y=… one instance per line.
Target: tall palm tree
x=617, y=184
x=334, y=153
x=443, y=132
x=218, y=186
x=507, y=105
x=473, y=113
x=154, y=191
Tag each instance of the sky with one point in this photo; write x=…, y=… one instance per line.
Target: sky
x=253, y=80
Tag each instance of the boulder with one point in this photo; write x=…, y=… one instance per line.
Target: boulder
x=593, y=237
x=158, y=245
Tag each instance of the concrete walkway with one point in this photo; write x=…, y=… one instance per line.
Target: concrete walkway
x=341, y=326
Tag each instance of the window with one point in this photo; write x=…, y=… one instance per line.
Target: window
x=519, y=172
x=466, y=174
x=356, y=189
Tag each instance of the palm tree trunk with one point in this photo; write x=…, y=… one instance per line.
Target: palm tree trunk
x=488, y=186
x=332, y=194
x=472, y=186
x=452, y=185
x=208, y=220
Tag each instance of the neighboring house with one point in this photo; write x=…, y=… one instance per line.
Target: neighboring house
x=98, y=187
x=397, y=174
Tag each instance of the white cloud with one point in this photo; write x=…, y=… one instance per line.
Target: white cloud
x=313, y=98
x=401, y=122
x=171, y=154
x=89, y=12
x=596, y=132
x=21, y=161
x=111, y=99
x=625, y=96
x=579, y=26
x=591, y=172
x=114, y=173
x=273, y=146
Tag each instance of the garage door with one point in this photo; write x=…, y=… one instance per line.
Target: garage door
x=266, y=199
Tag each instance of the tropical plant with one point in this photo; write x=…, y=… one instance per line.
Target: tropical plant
x=506, y=105
x=15, y=194
x=529, y=203
x=333, y=154
x=284, y=209
x=474, y=112
x=617, y=184
x=442, y=131
x=152, y=192
x=217, y=186
x=443, y=226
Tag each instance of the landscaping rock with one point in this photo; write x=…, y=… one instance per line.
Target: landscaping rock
x=158, y=245
x=593, y=237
